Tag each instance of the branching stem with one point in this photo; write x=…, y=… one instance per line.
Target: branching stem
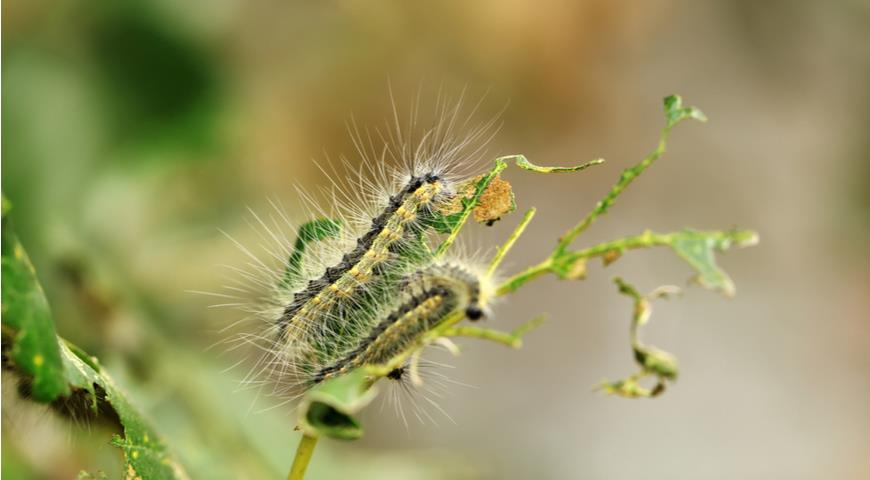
x=562, y=261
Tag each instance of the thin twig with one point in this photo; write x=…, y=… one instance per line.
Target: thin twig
x=502, y=251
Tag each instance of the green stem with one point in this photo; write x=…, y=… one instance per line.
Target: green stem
x=646, y=239
x=512, y=339
x=625, y=179
x=496, y=336
x=502, y=251
x=512, y=284
x=563, y=261
x=303, y=456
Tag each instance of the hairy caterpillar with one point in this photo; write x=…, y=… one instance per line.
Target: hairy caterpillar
x=431, y=294
x=401, y=222
x=336, y=308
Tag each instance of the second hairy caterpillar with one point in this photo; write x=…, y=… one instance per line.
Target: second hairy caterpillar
x=431, y=295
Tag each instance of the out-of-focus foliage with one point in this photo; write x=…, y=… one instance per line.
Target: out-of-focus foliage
x=27, y=320
x=64, y=375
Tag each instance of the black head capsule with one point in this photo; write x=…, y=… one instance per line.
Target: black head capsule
x=396, y=373
x=474, y=312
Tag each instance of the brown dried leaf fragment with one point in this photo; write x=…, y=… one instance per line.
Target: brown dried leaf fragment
x=497, y=201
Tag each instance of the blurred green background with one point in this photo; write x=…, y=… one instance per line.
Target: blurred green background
x=134, y=130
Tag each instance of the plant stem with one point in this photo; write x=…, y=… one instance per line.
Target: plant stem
x=303, y=456
x=502, y=251
x=504, y=338
x=563, y=260
x=518, y=280
x=628, y=175
x=512, y=339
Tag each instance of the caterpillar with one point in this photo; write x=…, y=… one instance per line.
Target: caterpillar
x=431, y=294
x=401, y=222
x=338, y=307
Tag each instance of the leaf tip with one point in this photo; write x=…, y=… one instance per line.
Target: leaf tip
x=676, y=112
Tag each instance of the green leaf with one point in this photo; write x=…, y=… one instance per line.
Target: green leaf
x=27, y=319
x=676, y=112
x=329, y=409
x=698, y=250
x=313, y=231
x=145, y=453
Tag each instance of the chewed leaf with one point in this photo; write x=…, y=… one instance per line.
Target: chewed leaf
x=145, y=453
x=676, y=112
x=27, y=319
x=657, y=361
x=313, y=231
x=630, y=388
x=525, y=164
x=698, y=250
x=653, y=362
x=330, y=408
